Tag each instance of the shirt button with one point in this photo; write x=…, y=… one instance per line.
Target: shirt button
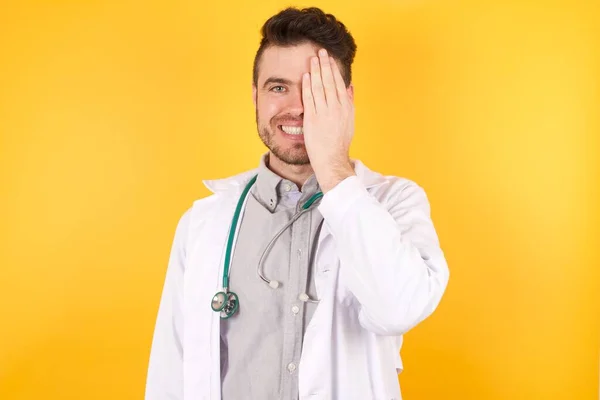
x=287, y=187
x=295, y=309
x=291, y=367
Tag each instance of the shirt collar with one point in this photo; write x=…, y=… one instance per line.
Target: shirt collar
x=270, y=187
x=370, y=179
x=267, y=184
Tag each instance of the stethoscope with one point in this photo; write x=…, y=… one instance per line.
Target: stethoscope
x=226, y=302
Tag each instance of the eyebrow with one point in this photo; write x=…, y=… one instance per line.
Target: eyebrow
x=275, y=79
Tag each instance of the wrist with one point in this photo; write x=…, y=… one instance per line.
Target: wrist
x=334, y=174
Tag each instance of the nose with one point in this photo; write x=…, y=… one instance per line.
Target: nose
x=294, y=103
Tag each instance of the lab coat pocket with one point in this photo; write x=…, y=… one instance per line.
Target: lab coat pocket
x=327, y=268
x=324, y=265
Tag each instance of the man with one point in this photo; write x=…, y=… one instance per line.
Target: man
x=313, y=265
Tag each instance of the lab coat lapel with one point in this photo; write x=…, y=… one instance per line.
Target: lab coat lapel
x=207, y=239
x=315, y=372
x=203, y=278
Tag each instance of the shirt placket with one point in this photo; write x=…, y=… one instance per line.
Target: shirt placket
x=294, y=307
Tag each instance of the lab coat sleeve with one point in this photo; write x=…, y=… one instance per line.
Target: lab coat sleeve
x=390, y=256
x=165, y=369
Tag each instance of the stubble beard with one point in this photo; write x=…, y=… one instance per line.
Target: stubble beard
x=296, y=155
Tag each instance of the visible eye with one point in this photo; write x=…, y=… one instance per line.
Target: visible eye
x=278, y=89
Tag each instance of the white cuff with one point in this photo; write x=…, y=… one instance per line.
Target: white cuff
x=337, y=201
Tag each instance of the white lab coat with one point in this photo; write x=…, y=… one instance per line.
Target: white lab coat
x=379, y=271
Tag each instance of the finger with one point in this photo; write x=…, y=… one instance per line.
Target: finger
x=340, y=85
x=327, y=76
x=307, y=97
x=316, y=85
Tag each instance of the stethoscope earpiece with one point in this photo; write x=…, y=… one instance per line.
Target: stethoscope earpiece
x=306, y=298
x=274, y=284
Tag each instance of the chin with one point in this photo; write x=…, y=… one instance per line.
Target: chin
x=291, y=156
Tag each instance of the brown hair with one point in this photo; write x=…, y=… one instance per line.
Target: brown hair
x=292, y=26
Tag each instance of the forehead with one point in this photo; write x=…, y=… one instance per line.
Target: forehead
x=286, y=62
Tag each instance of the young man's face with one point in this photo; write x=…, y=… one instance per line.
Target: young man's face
x=278, y=100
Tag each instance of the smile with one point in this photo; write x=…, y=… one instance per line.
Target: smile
x=292, y=130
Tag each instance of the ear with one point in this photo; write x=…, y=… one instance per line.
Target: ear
x=254, y=94
x=350, y=91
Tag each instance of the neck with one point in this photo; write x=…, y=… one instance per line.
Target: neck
x=294, y=173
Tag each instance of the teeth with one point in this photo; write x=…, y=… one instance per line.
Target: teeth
x=292, y=130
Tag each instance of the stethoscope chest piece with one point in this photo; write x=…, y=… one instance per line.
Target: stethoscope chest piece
x=225, y=303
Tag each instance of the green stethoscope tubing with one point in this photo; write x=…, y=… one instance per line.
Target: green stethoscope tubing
x=227, y=302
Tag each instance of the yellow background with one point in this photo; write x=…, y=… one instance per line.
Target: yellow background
x=111, y=114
